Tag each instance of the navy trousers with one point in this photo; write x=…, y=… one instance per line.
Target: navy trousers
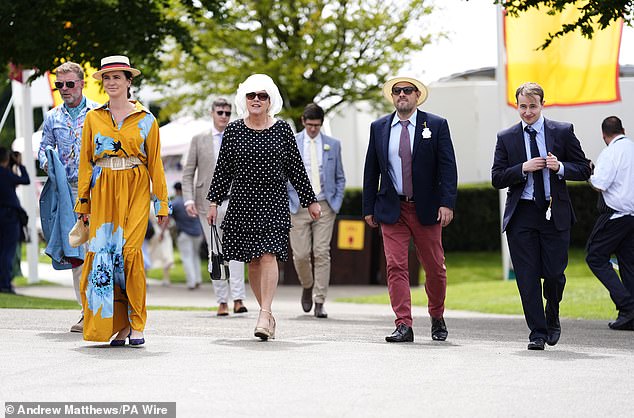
x=538, y=250
x=10, y=227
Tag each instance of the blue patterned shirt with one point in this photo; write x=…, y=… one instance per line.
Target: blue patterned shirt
x=63, y=132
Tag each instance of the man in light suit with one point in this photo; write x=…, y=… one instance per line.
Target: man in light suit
x=197, y=175
x=534, y=158
x=409, y=189
x=322, y=158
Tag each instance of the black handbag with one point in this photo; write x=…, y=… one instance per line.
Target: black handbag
x=23, y=217
x=219, y=266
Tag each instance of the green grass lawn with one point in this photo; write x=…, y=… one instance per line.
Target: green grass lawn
x=474, y=283
x=30, y=302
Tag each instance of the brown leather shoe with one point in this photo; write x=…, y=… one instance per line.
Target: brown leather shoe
x=238, y=306
x=223, y=310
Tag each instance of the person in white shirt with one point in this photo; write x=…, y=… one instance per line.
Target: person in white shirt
x=613, y=232
x=197, y=174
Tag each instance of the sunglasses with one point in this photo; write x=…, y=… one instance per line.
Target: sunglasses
x=261, y=96
x=221, y=112
x=69, y=84
x=407, y=90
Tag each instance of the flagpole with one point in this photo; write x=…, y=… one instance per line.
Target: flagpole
x=24, y=128
x=500, y=76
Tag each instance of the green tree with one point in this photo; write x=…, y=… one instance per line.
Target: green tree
x=595, y=14
x=41, y=34
x=328, y=51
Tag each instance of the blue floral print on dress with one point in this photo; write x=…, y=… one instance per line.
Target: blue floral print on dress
x=107, y=269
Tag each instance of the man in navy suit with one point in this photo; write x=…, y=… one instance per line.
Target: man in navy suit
x=322, y=159
x=409, y=189
x=534, y=158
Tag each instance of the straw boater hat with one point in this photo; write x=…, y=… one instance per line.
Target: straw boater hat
x=115, y=63
x=387, y=88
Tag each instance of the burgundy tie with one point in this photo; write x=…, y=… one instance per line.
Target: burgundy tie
x=405, y=152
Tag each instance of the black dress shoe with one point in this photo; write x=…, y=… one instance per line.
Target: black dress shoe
x=320, y=312
x=623, y=321
x=307, y=299
x=552, y=322
x=438, y=329
x=536, y=344
x=402, y=334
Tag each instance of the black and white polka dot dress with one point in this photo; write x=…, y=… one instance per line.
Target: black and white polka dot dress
x=255, y=166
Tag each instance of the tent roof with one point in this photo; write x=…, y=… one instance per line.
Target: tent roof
x=176, y=135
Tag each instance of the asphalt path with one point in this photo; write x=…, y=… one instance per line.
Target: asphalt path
x=337, y=367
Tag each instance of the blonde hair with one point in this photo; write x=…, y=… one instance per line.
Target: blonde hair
x=70, y=67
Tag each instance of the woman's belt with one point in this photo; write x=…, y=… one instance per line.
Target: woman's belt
x=118, y=163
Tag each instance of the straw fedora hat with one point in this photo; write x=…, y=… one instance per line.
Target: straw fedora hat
x=387, y=88
x=115, y=63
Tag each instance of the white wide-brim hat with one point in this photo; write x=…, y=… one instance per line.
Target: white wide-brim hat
x=115, y=63
x=254, y=83
x=387, y=88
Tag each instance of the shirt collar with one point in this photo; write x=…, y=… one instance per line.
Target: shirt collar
x=412, y=119
x=215, y=131
x=537, y=125
x=80, y=106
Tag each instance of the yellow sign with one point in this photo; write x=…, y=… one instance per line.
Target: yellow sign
x=350, y=235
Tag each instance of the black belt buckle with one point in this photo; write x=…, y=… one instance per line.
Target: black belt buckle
x=404, y=198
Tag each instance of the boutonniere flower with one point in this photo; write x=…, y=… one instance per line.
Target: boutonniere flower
x=326, y=147
x=426, y=131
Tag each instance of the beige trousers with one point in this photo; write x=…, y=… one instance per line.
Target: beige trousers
x=308, y=236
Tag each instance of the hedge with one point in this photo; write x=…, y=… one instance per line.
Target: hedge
x=476, y=224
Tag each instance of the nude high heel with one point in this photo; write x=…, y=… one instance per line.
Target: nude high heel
x=265, y=332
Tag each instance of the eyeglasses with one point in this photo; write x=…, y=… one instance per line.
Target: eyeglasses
x=407, y=90
x=261, y=96
x=221, y=112
x=69, y=84
x=312, y=125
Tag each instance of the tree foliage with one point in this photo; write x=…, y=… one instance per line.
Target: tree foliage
x=41, y=34
x=595, y=13
x=327, y=51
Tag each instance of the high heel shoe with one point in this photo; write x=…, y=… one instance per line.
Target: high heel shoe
x=136, y=341
x=119, y=343
x=264, y=333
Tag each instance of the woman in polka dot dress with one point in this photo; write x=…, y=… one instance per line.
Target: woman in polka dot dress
x=257, y=157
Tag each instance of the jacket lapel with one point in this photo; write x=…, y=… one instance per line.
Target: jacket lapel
x=517, y=143
x=385, y=137
x=548, y=135
x=300, y=143
x=421, y=120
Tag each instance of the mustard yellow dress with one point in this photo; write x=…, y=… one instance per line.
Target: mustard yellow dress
x=118, y=201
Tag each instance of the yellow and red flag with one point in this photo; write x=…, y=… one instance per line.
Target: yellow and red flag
x=573, y=70
x=92, y=88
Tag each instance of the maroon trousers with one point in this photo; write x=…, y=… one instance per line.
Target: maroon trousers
x=428, y=243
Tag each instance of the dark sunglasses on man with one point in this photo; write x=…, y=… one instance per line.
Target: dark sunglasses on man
x=407, y=90
x=223, y=112
x=70, y=84
x=261, y=96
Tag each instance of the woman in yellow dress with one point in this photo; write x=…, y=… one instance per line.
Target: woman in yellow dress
x=120, y=155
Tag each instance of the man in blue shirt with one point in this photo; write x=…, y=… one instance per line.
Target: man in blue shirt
x=62, y=130
x=190, y=236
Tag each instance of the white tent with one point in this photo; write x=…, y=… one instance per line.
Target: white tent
x=176, y=135
x=18, y=143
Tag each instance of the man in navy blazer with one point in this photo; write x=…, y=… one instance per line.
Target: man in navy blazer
x=409, y=189
x=538, y=213
x=322, y=159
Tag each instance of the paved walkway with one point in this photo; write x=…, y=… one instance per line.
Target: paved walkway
x=339, y=367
